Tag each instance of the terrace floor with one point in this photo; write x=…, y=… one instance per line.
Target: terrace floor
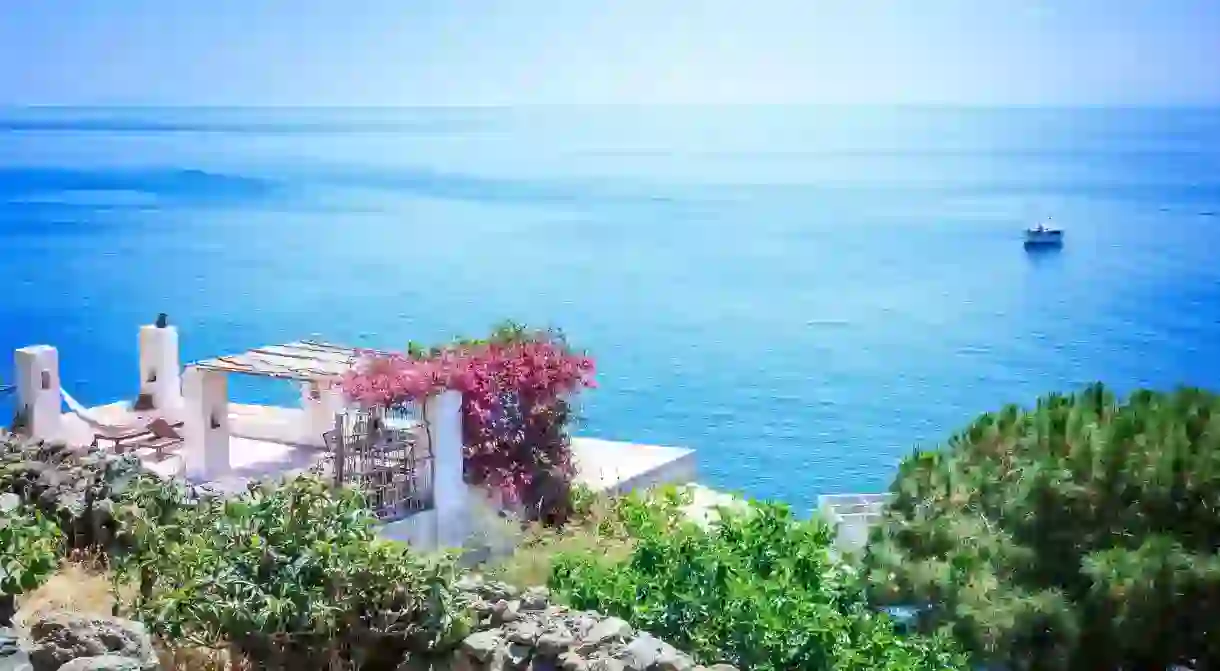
x=267, y=441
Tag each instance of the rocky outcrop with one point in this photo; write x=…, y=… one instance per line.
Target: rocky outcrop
x=59, y=639
x=524, y=630
x=72, y=485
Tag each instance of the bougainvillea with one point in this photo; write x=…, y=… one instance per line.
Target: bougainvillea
x=516, y=390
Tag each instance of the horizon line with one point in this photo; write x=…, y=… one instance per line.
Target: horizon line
x=522, y=105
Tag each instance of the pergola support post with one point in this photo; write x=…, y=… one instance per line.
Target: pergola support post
x=205, y=423
x=443, y=415
x=321, y=400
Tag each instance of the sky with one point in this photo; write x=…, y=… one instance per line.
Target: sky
x=518, y=52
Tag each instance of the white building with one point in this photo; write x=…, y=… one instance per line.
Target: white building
x=185, y=425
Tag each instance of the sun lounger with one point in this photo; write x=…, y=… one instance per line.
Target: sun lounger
x=158, y=434
x=161, y=436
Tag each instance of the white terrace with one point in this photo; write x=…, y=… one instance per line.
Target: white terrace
x=183, y=424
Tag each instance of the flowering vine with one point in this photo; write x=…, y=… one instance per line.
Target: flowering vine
x=516, y=389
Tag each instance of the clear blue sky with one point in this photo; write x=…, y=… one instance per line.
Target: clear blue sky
x=423, y=52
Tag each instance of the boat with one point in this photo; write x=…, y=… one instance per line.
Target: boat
x=1043, y=235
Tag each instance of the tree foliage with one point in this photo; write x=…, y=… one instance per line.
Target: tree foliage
x=291, y=573
x=759, y=589
x=1080, y=534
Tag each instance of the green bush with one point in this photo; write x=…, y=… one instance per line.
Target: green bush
x=1080, y=534
x=290, y=574
x=759, y=589
x=30, y=548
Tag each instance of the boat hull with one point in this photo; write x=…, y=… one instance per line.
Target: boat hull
x=1043, y=239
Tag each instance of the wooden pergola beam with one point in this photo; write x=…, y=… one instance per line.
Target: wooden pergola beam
x=304, y=361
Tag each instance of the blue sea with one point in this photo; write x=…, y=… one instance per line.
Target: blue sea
x=803, y=295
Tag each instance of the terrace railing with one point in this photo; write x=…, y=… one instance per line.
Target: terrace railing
x=853, y=516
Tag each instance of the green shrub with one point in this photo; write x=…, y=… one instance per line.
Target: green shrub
x=290, y=574
x=30, y=548
x=1080, y=534
x=759, y=589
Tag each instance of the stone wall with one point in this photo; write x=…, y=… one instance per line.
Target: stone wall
x=514, y=631
x=525, y=630
x=72, y=485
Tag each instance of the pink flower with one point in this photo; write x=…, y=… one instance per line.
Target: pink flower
x=514, y=395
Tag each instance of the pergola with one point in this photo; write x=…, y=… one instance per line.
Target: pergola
x=317, y=366
x=302, y=361
x=386, y=464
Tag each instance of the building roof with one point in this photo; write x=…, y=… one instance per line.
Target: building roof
x=305, y=360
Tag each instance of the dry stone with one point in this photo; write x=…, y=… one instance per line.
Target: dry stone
x=673, y=660
x=642, y=652
x=608, y=631
x=73, y=485
x=523, y=631
x=59, y=637
x=554, y=642
x=535, y=598
x=481, y=645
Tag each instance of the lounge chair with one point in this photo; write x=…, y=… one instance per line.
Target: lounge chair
x=160, y=436
x=158, y=433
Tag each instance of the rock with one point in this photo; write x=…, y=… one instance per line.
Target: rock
x=52, y=478
x=609, y=630
x=481, y=645
x=506, y=611
x=582, y=623
x=60, y=637
x=102, y=663
x=495, y=591
x=31, y=469
x=555, y=642
x=509, y=591
x=570, y=661
x=606, y=664
x=722, y=667
x=642, y=652
x=525, y=633
x=536, y=598
x=672, y=660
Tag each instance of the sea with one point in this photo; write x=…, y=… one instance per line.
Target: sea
x=804, y=295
